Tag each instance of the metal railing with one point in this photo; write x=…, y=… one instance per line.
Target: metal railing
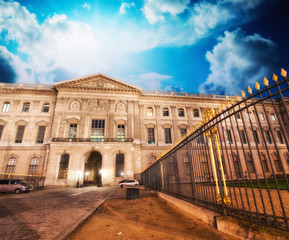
x=236, y=162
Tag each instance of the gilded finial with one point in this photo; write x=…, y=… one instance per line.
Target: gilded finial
x=266, y=82
x=249, y=90
x=243, y=94
x=231, y=101
x=227, y=104
x=222, y=107
x=257, y=86
x=283, y=73
x=275, y=78
x=237, y=97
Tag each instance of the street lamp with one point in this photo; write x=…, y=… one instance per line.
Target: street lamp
x=78, y=174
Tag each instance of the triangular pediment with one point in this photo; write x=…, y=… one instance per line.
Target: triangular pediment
x=96, y=82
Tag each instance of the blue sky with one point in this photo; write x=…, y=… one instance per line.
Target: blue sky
x=204, y=46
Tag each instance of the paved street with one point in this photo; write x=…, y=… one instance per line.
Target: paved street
x=47, y=214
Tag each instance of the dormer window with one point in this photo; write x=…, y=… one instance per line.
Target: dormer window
x=26, y=107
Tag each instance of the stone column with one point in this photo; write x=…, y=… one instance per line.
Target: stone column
x=136, y=133
x=189, y=117
x=141, y=122
x=111, y=123
x=158, y=131
x=130, y=122
x=174, y=124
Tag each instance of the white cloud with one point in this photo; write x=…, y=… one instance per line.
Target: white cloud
x=86, y=5
x=124, y=6
x=12, y=67
x=237, y=61
x=150, y=81
x=154, y=10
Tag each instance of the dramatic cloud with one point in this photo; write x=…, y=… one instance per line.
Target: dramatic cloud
x=237, y=61
x=55, y=44
x=124, y=6
x=12, y=68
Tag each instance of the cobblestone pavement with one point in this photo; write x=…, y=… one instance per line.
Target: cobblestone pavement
x=48, y=214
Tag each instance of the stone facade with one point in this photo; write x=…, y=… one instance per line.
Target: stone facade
x=94, y=129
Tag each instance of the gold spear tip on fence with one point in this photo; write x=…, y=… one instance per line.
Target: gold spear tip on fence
x=243, y=94
x=231, y=101
x=218, y=110
x=222, y=107
x=266, y=82
x=249, y=90
x=227, y=104
x=257, y=86
x=237, y=97
x=275, y=78
x=283, y=73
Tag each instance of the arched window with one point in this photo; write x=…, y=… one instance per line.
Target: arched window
x=119, y=165
x=33, y=165
x=152, y=158
x=63, y=166
x=45, y=107
x=11, y=165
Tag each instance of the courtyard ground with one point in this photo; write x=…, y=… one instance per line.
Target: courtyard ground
x=146, y=218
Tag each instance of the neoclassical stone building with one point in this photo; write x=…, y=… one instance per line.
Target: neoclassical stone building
x=94, y=129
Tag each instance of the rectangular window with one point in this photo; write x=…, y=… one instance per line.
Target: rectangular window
x=273, y=116
x=151, y=135
x=41, y=133
x=183, y=131
x=277, y=163
x=1, y=130
x=149, y=111
x=238, y=115
x=165, y=112
x=181, y=112
x=264, y=163
x=237, y=166
x=228, y=136
x=249, y=159
x=45, y=107
x=19, y=134
x=255, y=134
x=26, y=107
x=196, y=113
x=261, y=116
x=6, y=107
x=168, y=137
x=72, y=130
x=120, y=131
x=279, y=134
x=243, y=137
x=268, y=137
x=97, y=129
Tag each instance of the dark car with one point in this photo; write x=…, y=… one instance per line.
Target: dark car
x=14, y=185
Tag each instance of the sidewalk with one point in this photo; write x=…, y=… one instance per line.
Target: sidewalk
x=146, y=218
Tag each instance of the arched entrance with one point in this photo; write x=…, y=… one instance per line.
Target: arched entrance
x=92, y=169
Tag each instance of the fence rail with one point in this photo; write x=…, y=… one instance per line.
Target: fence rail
x=236, y=161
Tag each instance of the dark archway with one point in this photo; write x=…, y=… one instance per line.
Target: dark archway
x=92, y=169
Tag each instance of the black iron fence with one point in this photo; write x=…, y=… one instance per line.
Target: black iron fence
x=36, y=181
x=236, y=161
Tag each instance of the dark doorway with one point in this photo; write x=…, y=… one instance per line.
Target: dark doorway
x=92, y=169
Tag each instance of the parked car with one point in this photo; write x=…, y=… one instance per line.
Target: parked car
x=14, y=185
x=128, y=182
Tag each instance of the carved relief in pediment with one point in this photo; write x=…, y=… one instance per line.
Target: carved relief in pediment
x=99, y=105
x=99, y=83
